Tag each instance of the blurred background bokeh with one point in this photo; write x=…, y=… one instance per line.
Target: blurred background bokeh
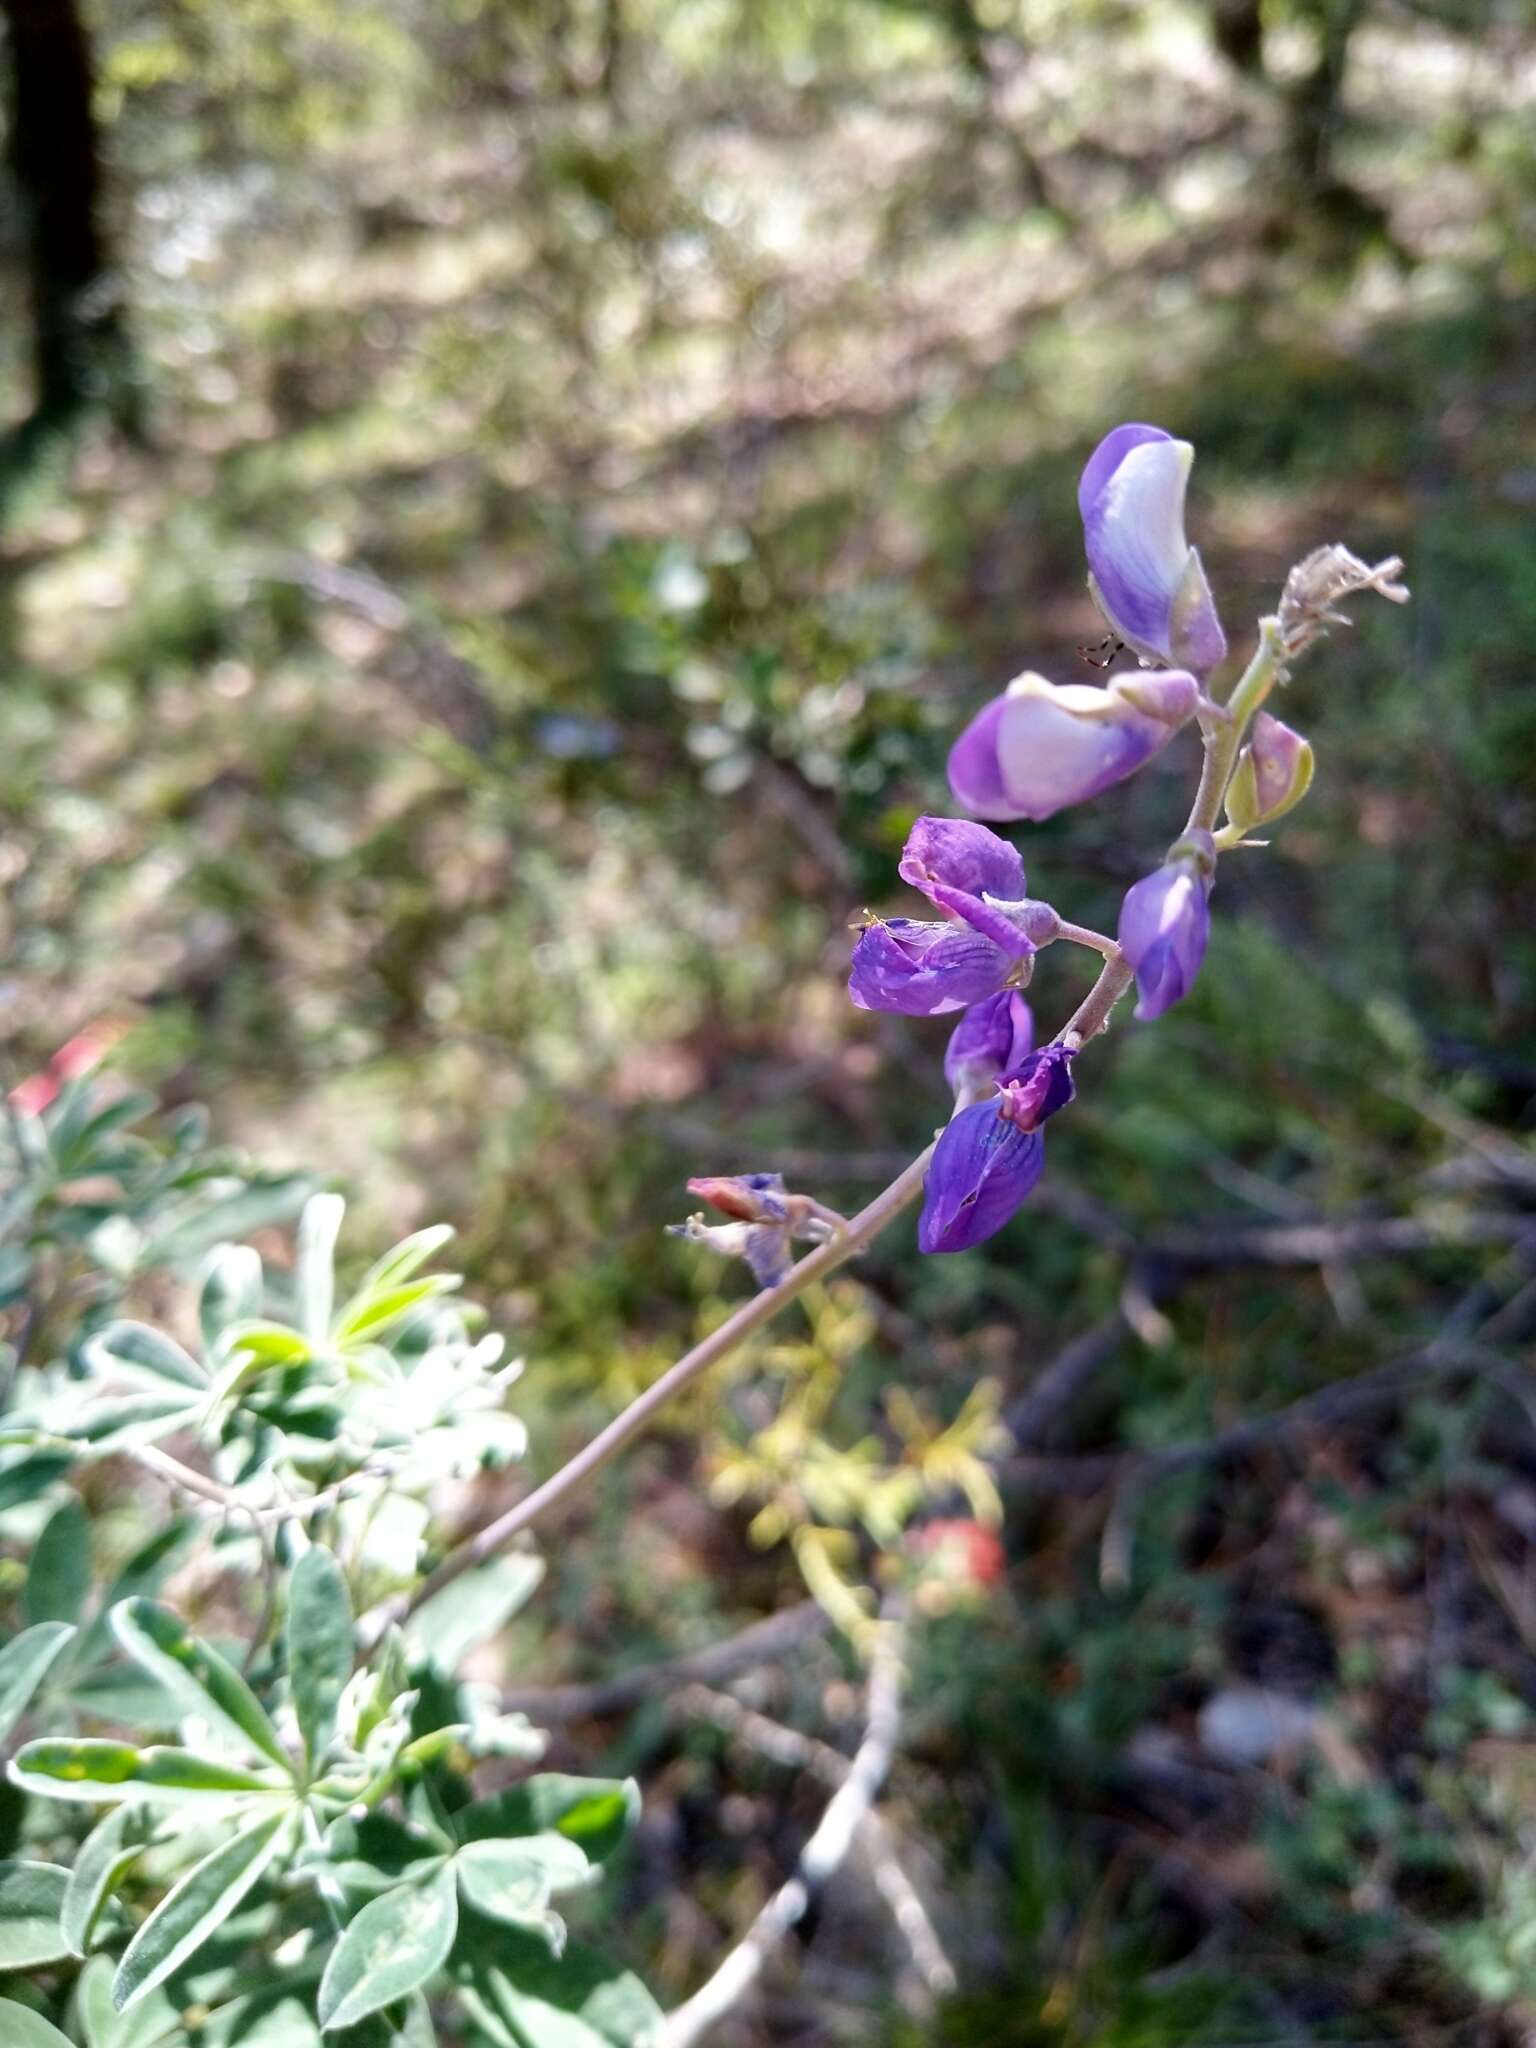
x=524, y=494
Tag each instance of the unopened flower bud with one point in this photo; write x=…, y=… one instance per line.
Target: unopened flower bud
x=1273, y=774
x=1165, y=923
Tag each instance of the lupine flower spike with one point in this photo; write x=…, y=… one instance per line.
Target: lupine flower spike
x=1032, y=751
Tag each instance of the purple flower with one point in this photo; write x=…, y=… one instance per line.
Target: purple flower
x=1147, y=579
x=954, y=854
x=990, y=1155
x=1042, y=745
x=990, y=1039
x=924, y=969
x=983, y=1168
x=1039, y=1086
x=1165, y=922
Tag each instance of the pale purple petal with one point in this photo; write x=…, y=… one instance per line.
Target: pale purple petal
x=924, y=970
x=1107, y=458
x=974, y=775
x=982, y=1170
x=1002, y=927
x=1137, y=553
x=1195, y=636
x=1051, y=755
x=1282, y=760
x=1055, y=744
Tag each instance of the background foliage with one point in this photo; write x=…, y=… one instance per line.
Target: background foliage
x=594, y=456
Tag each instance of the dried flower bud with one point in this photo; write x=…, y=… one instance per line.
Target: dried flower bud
x=1273, y=774
x=766, y=1218
x=1323, y=580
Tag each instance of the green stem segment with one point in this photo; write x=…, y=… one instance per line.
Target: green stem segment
x=1223, y=741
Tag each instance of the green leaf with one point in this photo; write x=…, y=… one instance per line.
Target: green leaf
x=368, y=1315
x=20, y=2027
x=153, y=2023
x=320, y=1646
x=314, y=1278
x=137, y=1419
x=378, y=1851
x=277, y=2017
x=195, y=1676
x=402, y=1260
x=105, y=1857
x=143, y=1354
x=231, y=1291
x=139, y=1574
x=396, y=1943
x=24, y=1664
x=402, y=2026
x=231, y=1218
x=531, y=1999
x=60, y=1574
x=595, y=1813
x=264, y=1345
x=515, y=1880
x=472, y=1608
x=94, y=1768
x=31, y=1899
x=31, y=1475
x=196, y=1908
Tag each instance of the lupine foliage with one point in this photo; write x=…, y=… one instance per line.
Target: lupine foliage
x=334, y=1797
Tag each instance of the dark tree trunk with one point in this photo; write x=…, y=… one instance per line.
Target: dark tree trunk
x=79, y=346
x=1316, y=98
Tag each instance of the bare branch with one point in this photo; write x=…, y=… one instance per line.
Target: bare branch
x=764, y=1642
x=935, y=1972
x=822, y=1856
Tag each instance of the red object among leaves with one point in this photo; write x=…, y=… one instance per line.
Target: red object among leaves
x=963, y=1550
x=87, y=1049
